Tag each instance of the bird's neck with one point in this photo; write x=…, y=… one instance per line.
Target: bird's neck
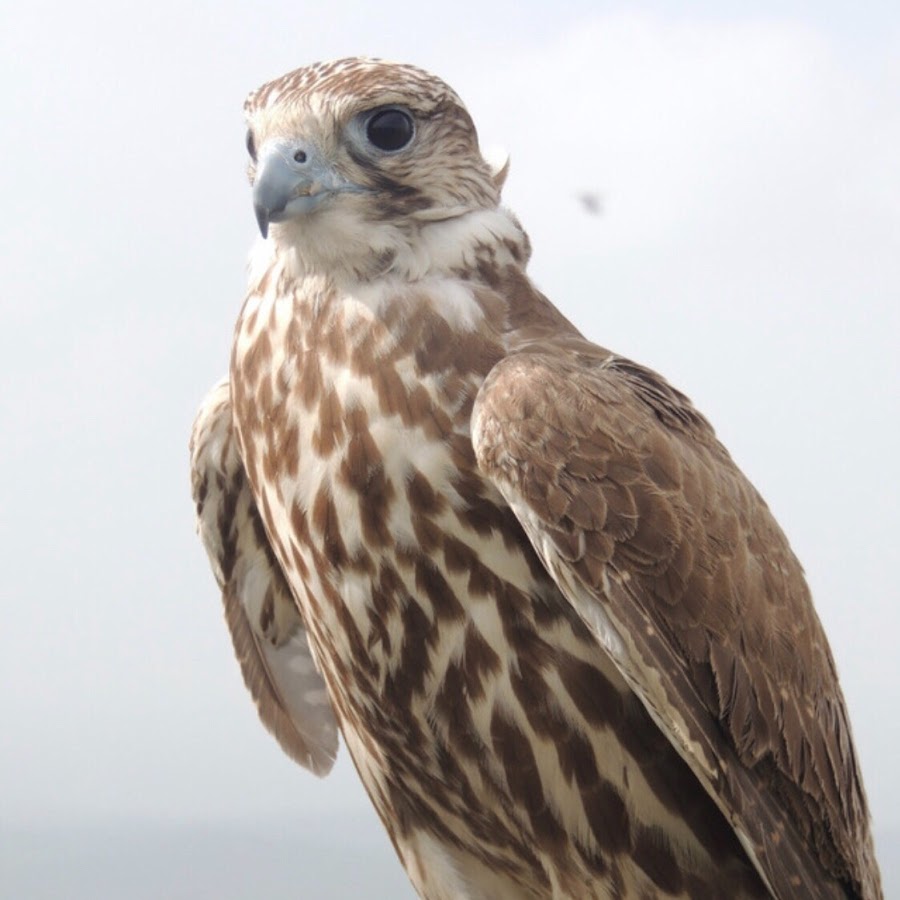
x=475, y=244
x=467, y=272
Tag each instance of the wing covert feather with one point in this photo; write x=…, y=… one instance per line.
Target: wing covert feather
x=673, y=558
x=267, y=631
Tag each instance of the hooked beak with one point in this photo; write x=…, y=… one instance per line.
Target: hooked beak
x=292, y=179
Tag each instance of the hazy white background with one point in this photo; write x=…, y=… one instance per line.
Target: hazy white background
x=749, y=249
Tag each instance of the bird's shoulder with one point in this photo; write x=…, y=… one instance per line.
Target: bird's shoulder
x=644, y=520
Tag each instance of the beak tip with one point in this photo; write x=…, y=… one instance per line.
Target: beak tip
x=262, y=219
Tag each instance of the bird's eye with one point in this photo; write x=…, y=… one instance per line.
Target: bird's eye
x=251, y=145
x=390, y=129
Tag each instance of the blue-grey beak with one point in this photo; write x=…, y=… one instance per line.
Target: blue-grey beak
x=292, y=179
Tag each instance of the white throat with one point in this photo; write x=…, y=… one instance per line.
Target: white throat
x=353, y=251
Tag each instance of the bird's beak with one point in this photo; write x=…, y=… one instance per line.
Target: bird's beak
x=292, y=179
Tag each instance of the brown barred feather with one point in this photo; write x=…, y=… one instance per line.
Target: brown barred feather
x=267, y=632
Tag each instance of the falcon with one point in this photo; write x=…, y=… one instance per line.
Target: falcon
x=569, y=649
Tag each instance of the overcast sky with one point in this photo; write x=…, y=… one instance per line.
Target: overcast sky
x=749, y=249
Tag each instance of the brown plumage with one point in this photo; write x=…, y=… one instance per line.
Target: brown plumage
x=266, y=627
x=569, y=649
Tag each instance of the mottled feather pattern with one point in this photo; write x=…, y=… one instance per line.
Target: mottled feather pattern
x=386, y=535
x=267, y=631
x=667, y=536
x=568, y=647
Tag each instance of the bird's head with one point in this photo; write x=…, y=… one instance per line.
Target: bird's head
x=362, y=152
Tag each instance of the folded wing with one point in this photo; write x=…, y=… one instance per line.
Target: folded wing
x=268, y=633
x=674, y=560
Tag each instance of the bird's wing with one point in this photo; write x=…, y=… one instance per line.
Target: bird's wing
x=675, y=562
x=269, y=637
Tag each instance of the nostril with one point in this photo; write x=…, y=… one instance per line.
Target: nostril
x=300, y=156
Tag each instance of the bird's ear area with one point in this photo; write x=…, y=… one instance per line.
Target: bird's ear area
x=603, y=488
x=497, y=160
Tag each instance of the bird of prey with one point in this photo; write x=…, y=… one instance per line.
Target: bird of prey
x=569, y=649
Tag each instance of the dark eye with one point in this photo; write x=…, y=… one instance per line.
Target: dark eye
x=251, y=146
x=390, y=129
